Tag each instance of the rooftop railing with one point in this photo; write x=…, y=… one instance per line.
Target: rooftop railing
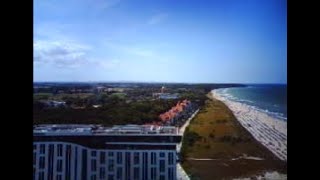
x=56, y=129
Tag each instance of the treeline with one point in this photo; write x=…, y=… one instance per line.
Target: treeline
x=135, y=106
x=197, y=97
x=111, y=113
x=54, y=87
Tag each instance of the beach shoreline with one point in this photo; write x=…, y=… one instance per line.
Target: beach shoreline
x=223, y=148
x=267, y=130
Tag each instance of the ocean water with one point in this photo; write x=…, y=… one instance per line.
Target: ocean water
x=262, y=110
x=269, y=99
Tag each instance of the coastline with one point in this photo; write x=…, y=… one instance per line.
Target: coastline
x=267, y=130
x=224, y=148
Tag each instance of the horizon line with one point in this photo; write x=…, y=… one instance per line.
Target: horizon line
x=158, y=82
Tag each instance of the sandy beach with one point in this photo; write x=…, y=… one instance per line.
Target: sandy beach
x=269, y=131
x=225, y=147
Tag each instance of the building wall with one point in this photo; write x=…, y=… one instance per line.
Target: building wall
x=69, y=161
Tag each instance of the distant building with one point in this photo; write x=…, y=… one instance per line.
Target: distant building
x=165, y=95
x=162, y=89
x=100, y=89
x=114, y=90
x=168, y=96
x=181, y=110
x=93, y=152
x=96, y=105
x=51, y=103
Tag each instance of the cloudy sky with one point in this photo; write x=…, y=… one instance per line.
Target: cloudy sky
x=240, y=41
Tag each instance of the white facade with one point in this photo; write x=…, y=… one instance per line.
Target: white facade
x=69, y=161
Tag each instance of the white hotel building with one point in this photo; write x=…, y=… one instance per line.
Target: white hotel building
x=92, y=152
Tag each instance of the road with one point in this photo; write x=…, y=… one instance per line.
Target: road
x=181, y=174
x=183, y=128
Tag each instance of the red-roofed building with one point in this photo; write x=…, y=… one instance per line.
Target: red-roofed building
x=176, y=113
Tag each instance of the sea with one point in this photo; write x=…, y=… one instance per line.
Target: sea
x=266, y=98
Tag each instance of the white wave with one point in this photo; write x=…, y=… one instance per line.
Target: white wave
x=223, y=93
x=267, y=129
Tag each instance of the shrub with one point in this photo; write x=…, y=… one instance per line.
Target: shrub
x=191, y=137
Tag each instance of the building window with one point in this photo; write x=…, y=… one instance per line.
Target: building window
x=75, y=162
x=162, y=154
x=59, y=149
x=153, y=173
x=84, y=164
x=93, y=165
x=145, y=166
x=102, y=157
x=128, y=164
x=59, y=177
x=93, y=177
x=34, y=147
x=50, y=161
x=110, y=154
x=136, y=173
x=41, y=163
x=59, y=165
x=94, y=153
x=111, y=165
x=161, y=165
x=34, y=173
x=102, y=173
x=153, y=158
x=42, y=148
x=68, y=162
x=119, y=157
x=41, y=176
x=136, y=158
x=170, y=173
x=34, y=158
x=110, y=177
x=170, y=158
x=119, y=173
x=171, y=139
x=162, y=177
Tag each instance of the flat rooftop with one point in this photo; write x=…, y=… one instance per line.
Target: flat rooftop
x=90, y=129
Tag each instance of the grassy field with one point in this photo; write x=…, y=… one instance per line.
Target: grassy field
x=216, y=134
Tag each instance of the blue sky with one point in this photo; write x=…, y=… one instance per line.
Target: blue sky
x=197, y=41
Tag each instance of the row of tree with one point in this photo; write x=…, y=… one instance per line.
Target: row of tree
x=111, y=113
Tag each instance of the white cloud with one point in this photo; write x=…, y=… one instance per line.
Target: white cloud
x=59, y=53
x=158, y=18
x=69, y=55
